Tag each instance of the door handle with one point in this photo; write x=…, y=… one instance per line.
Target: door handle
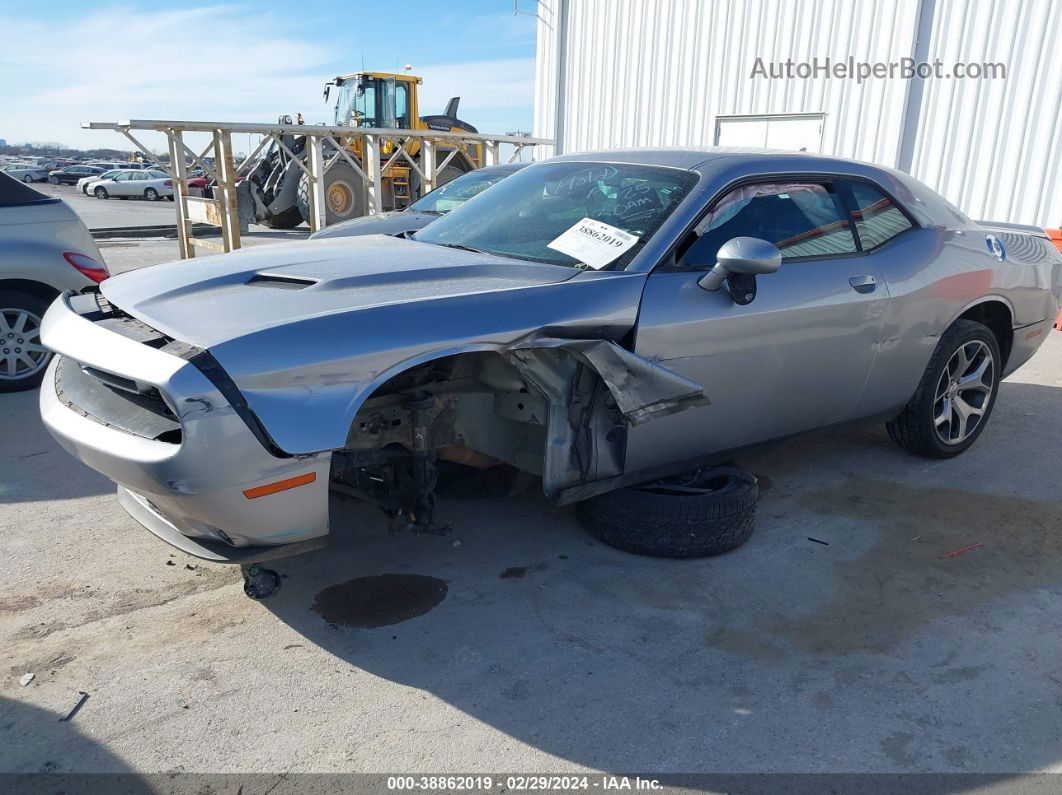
x=863, y=284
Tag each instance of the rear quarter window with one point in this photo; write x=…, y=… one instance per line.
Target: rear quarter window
x=877, y=218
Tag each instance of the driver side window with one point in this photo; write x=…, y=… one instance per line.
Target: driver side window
x=803, y=219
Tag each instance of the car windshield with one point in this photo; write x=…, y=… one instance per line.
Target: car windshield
x=457, y=191
x=586, y=215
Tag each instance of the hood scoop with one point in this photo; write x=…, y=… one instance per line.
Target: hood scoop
x=280, y=282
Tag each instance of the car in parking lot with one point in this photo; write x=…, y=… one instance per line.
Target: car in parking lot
x=46, y=251
x=616, y=323
x=84, y=182
x=150, y=185
x=72, y=174
x=25, y=172
x=425, y=209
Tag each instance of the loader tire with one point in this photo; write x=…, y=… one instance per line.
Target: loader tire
x=344, y=194
x=285, y=219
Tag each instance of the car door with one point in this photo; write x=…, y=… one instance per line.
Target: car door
x=794, y=358
x=124, y=184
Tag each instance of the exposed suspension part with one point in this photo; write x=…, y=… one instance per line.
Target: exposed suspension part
x=425, y=476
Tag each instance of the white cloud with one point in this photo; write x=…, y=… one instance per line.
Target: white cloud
x=202, y=63
x=216, y=63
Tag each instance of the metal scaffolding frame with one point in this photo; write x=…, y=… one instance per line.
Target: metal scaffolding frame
x=222, y=210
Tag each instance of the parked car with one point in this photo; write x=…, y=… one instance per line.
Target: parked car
x=25, y=172
x=115, y=164
x=617, y=323
x=425, y=209
x=150, y=185
x=84, y=182
x=46, y=250
x=71, y=174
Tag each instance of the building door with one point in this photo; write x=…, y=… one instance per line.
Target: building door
x=800, y=132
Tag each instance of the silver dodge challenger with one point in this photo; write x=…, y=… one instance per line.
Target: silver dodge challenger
x=616, y=323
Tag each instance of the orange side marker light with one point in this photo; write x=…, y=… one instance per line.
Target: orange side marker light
x=280, y=485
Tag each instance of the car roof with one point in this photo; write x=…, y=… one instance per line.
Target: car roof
x=502, y=168
x=693, y=157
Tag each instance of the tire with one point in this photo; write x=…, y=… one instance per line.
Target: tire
x=449, y=173
x=151, y=195
x=100, y=193
x=54, y=180
x=344, y=194
x=27, y=179
x=16, y=374
x=922, y=427
x=706, y=513
x=288, y=219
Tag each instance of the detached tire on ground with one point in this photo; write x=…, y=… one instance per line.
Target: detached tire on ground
x=707, y=512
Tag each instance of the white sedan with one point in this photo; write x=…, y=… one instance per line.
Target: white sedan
x=150, y=185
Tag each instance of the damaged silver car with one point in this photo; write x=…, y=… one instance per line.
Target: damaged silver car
x=615, y=323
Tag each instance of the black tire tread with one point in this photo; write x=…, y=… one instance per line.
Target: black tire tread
x=672, y=526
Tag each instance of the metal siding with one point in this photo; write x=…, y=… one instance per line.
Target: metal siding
x=992, y=146
x=659, y=73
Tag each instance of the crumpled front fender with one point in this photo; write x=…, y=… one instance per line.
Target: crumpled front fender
x=643, y=390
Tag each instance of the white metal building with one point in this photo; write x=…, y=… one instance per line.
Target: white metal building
x=615, y=73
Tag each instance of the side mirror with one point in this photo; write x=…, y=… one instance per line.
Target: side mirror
x=748, y=255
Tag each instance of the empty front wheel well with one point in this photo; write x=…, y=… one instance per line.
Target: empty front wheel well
x=996, y=315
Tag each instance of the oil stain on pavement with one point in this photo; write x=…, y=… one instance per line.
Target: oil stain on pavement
x=380, y=600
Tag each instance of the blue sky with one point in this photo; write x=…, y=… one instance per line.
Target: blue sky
x=251, y=62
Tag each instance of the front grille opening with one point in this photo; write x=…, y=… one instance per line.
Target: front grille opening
x=116, y=402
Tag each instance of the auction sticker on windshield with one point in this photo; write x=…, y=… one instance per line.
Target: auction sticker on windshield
x=593, y=242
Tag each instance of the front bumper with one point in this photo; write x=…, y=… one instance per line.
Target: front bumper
x=186, y=488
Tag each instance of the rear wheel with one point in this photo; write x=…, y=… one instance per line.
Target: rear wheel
x=706, y=512
x=100, y=192
x=27, y=179
x=151, y=195
x=343, y=191
x=955, y=397
x=22, y=357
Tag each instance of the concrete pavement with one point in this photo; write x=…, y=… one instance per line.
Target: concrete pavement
x=549, y=651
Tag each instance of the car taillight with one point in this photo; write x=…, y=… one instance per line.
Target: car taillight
x=87, y=265
x=168, y=183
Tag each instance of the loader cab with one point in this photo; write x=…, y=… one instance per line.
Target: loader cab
x=375, y=99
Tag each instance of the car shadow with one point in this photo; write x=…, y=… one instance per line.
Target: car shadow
x=877, y=616
x=33, y=467
x=38, y=742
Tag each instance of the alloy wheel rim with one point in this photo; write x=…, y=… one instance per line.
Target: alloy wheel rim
x=21, y=352
x=963, y=392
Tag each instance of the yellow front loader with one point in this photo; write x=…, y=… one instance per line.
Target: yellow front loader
x=377, y=100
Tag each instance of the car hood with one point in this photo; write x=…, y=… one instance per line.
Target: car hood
x=393, y=223
x=211, y=300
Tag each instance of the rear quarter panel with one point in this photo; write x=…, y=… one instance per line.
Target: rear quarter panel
x=934, y=275
x=33, y=238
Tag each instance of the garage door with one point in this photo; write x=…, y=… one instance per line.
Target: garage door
x=798, y=133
